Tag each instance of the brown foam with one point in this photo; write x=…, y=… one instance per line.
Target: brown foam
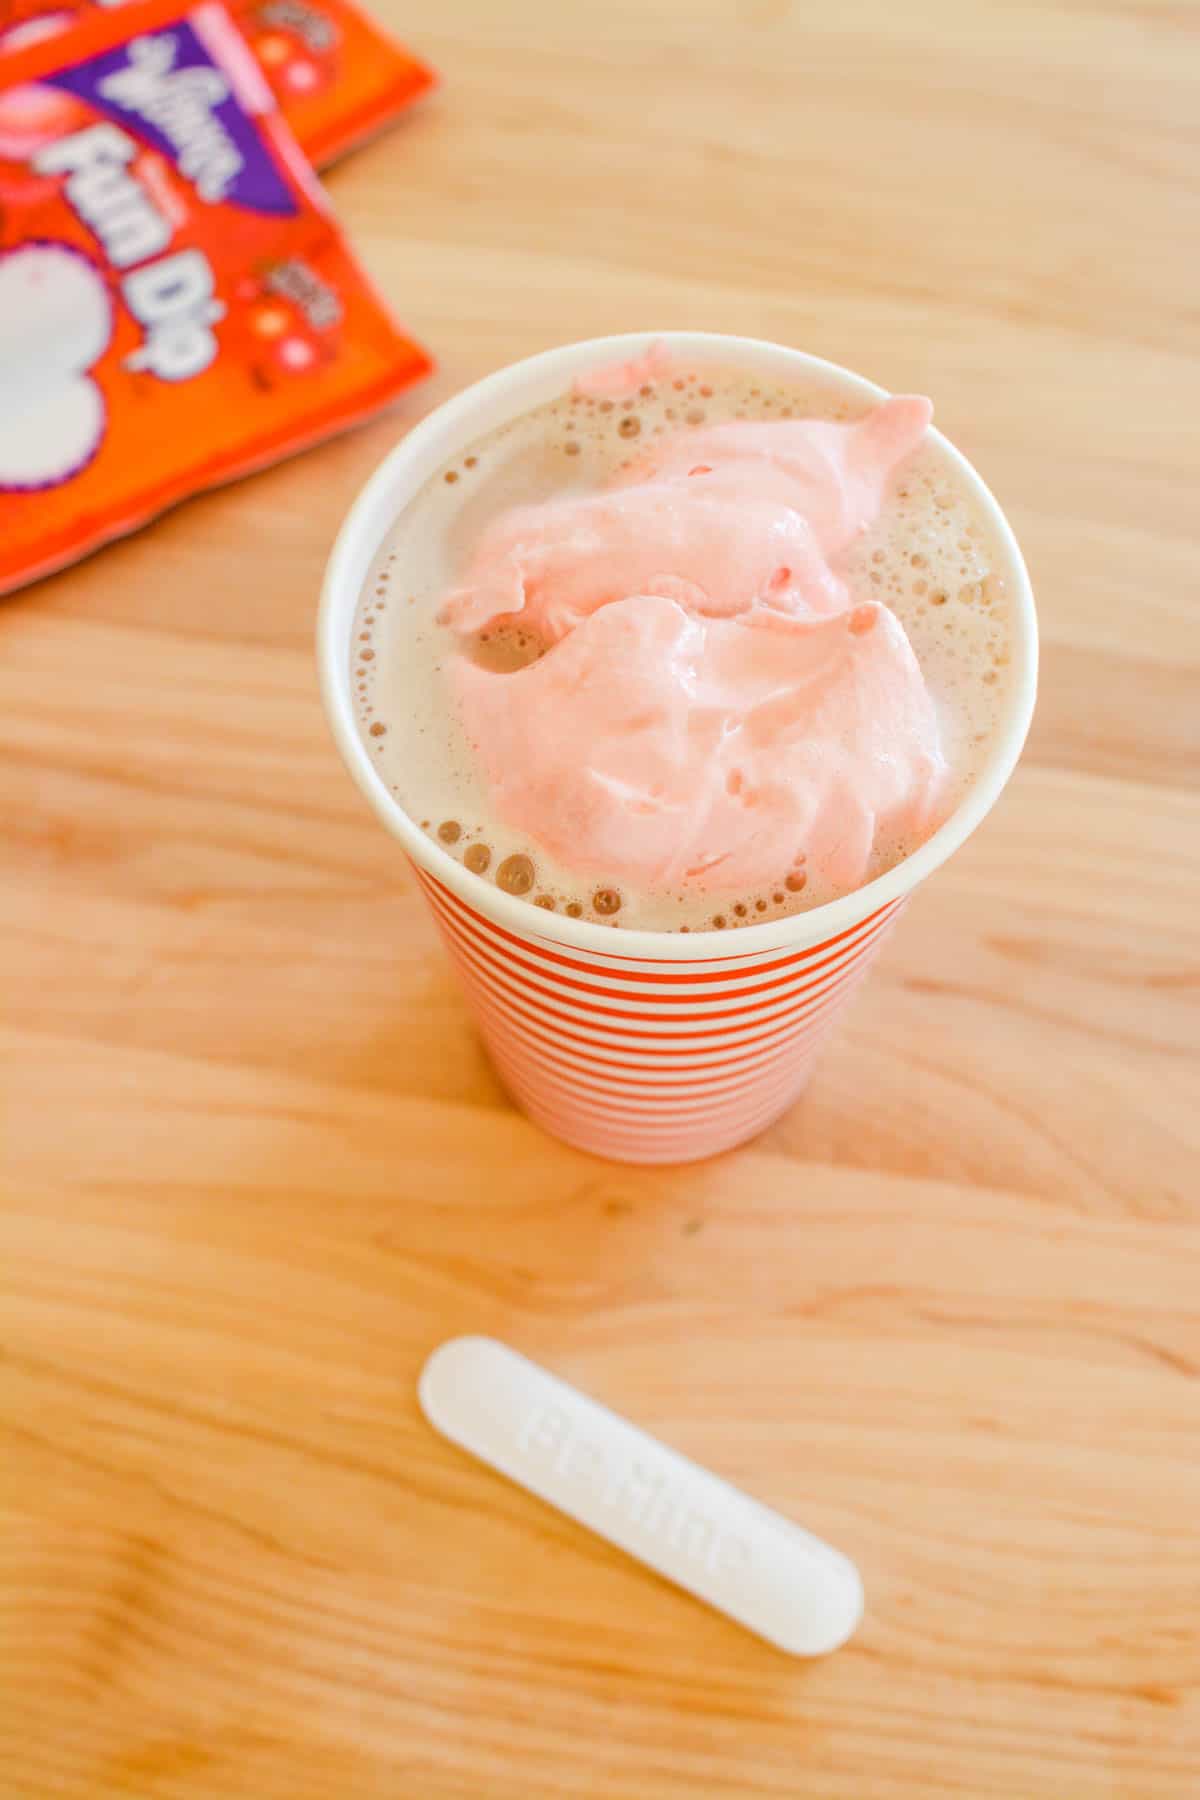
x=515, y=874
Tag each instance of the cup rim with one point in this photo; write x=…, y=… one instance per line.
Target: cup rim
x=505, y=395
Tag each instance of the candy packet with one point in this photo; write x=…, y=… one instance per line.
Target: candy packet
x=337, y=74
x=177, y=305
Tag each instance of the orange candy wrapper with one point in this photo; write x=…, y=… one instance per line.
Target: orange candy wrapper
x=337, y=74
x=177, y=305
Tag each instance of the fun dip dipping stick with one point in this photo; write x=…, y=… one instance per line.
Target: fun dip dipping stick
x=681, y=1520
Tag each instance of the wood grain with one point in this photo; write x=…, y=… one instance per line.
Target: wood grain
x=255, y=1165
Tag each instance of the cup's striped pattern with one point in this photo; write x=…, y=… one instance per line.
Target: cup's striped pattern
x=645, y=1060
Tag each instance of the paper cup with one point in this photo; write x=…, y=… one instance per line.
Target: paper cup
x=644, y=1046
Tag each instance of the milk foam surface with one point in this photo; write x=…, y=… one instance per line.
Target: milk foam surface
x=928, y=558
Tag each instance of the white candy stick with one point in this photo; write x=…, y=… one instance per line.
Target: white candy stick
x=725, y=1548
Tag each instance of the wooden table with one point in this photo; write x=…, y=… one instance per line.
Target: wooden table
x=255, y=1165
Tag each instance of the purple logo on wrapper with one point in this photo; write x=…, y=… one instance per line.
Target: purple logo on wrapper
x=165, y=88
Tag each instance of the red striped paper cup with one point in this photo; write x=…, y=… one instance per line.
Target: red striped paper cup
x=642, y=1046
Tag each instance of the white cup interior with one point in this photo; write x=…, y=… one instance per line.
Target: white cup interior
x=493, y=402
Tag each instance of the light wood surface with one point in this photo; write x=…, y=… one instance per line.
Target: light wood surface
x=255, y=1165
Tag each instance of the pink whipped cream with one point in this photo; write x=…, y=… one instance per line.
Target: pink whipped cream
x=713, y=707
